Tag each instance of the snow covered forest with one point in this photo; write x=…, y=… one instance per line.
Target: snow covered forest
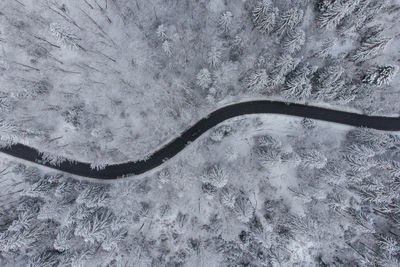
x=269, y=191
x=107, y=81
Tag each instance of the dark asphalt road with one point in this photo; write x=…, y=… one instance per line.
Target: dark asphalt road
x=216, y=117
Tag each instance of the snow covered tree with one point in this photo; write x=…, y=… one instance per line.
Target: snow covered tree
x=379, y=142
x=262, y=8
x=268, y=150
x=282, y=66
x=211, y=95
x=313, y=159
x=53, y=210
x=329, y=81
x=64, y=238
x=66, y=191
x=167, y=47
x=331, y=12
x=36, y=88
x=31, y=174
x=95, y=227
x=358, y=164
x=236, y=50
x=268, y=156
x=289, y=20
x=230, y=153
x=371, y=46
x=99, y=164
x=267, y=24
x=113, y=238
x=264, y=16
x=8, y=134
x=214, y=57
x=181, y=219
x=333, y=172
x=228, y=197
x=290, y=157
x=263, y=60
x=162, y=32
x=164, y=176
x=29, y=205
x=390, y=248
x=53, y=159
x=216, y=175
x=243, y=207
x=225, y=21
x=326, y=48
x=64, y=36
x=364, y=12
x=78, y=212
x=93, y=195
x=42, y=188
x=268, y=141
x=46, y=258
x=308, y=124
x=257, y=80
x=394, y=168
x=293, y=41
x=203, y=78
x=24, y=221
x=297, y=85
x=5, y=105
x=74, y=115
x=380, y=75
x=22, y=239
x=220, y=132
x=143, y=210
x=359, y=157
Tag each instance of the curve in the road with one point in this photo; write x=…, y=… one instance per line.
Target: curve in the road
x=216, y=117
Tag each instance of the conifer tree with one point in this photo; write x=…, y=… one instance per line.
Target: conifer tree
x=64, y=36
x=214, y=57
x=8, y=134
x=167, y=48
x=289, y=20
x=329, y=81
x=380, y=75
x=257, y=80
x=162, y=32
x=95, y=227
x=332, y=12
x=313, y=159
x=283, y=65
x=216, y=176
x=371, y=46
x=293, y=41
x=264, y=16
x=298, y=84
x=225, y=21
x=63, y=240
x=203, y=78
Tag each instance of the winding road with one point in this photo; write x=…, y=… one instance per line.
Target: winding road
x=216, y=117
